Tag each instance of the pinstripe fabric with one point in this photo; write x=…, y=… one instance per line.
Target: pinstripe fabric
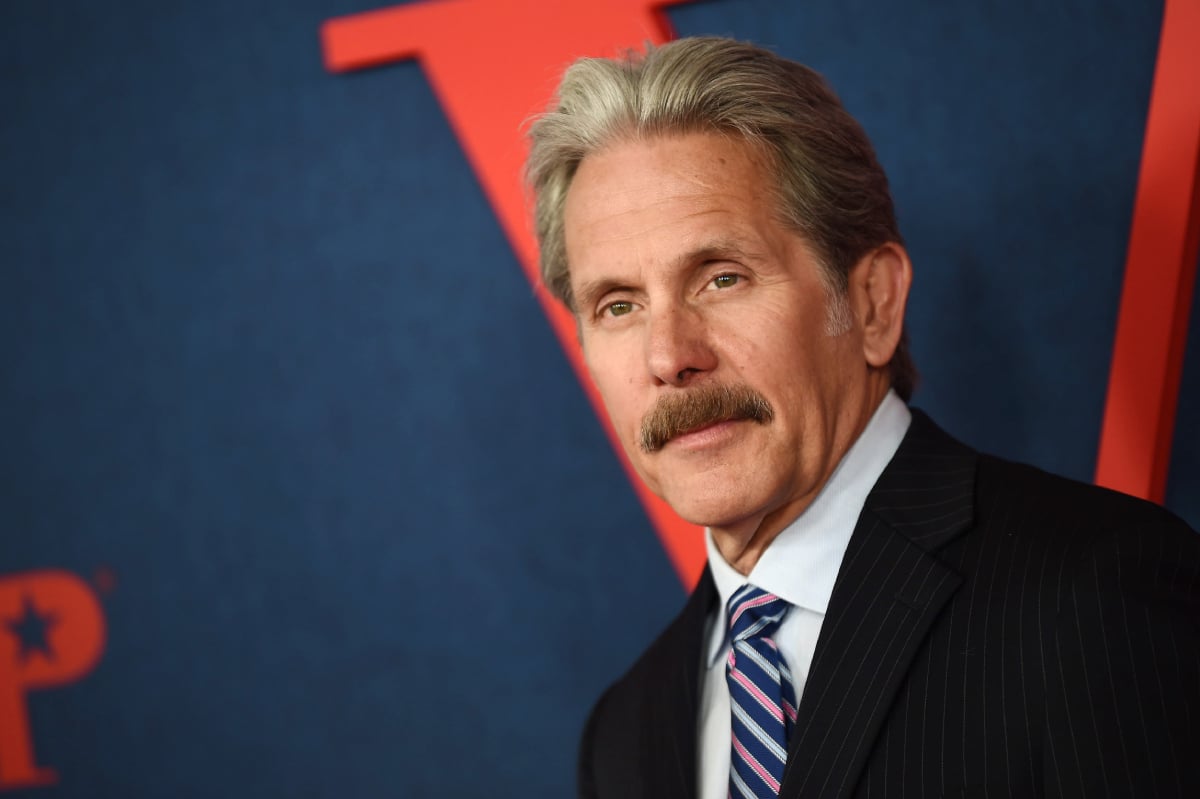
x=762, y=699
x=994, y=631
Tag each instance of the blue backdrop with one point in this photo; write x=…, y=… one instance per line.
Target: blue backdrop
x=275, y=386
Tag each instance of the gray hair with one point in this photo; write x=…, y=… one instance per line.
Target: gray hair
x=830, y=189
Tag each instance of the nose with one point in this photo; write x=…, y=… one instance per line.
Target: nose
x=677, y=346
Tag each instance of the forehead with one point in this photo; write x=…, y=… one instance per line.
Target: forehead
x=665, y=193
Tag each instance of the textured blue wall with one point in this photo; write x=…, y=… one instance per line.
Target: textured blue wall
x=268, y=358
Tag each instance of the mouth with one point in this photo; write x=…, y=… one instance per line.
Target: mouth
x=705, y=435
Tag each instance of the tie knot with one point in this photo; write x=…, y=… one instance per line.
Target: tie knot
x=754, y=613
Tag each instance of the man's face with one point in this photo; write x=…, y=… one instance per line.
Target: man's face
x=687, y=286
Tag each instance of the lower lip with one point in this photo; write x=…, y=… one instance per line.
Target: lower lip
x=712, y=435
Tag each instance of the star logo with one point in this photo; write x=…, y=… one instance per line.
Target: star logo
x=52, y=633
x=32, y=631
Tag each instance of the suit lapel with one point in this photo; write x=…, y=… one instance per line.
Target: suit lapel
x=889, y=591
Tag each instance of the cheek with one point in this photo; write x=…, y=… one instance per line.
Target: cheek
x=617, y=385
x=767, y=357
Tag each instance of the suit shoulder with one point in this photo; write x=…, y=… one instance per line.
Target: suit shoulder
x=1006, y=488
x=671, y=657
x=647, y=717
x=1080, y=532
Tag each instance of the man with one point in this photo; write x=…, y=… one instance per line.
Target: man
x=885, y=612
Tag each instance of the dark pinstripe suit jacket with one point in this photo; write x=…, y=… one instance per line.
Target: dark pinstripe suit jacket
x=994, y=631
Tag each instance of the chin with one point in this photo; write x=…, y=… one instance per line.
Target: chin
x=710, y=508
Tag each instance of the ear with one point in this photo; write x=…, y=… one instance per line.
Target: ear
x=879, y=284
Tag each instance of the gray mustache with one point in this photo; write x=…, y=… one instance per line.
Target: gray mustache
x=676, y=414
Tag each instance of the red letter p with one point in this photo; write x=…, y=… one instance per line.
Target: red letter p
x=51, y=633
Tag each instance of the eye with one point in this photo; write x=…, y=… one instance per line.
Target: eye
x=725, y=281
x=619, y=308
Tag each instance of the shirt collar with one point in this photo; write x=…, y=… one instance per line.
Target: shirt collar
x=801, y=564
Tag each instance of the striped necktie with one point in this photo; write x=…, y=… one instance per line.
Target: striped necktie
x=762, y=699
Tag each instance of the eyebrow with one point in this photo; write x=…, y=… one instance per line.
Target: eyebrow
x=593, y=290
x=718, y=250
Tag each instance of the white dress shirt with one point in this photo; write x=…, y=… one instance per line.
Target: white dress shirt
x=800, y=566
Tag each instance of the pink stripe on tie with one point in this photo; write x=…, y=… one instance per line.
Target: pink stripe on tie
x=762, y=698
x=754, y=764
x=765, y=599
